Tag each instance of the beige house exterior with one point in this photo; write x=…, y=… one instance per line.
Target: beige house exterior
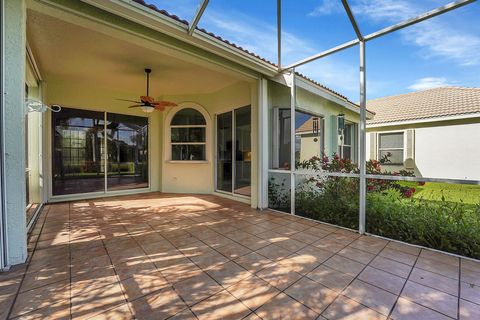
x=435, y=133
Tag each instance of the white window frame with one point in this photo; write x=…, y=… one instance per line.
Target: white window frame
x=204, y=143
x=393, y=149
x=167, y=149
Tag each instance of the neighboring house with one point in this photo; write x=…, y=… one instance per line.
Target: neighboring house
x=232, y=125
x=435, y=133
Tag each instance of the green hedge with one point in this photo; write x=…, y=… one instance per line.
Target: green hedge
x=442, y=225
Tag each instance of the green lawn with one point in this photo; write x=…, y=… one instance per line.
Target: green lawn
x=452, y=192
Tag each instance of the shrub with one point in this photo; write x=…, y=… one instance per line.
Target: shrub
x=392, y=212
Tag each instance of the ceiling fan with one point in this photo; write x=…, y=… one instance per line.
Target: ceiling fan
x=147, y=103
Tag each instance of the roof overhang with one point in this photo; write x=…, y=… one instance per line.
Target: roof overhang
x=143, y=15
x=426, y=120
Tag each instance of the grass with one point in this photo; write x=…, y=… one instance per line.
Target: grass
x=434, y=191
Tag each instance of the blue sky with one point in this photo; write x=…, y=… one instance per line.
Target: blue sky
x=440, y=52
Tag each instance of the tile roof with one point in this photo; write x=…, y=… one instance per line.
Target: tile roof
x=186, y=23
x=427, y=104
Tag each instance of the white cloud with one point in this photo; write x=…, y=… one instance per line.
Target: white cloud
x=327, y=7
x=429, y=83
x=438, y=38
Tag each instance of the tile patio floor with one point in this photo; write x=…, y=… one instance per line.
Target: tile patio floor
x=161, y=256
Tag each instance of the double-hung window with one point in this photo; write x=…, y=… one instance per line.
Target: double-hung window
x=188, y=135
x=390, y=146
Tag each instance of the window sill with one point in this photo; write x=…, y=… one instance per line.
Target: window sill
x=188, y=161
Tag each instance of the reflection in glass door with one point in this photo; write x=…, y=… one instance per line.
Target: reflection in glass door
x=78, y=143
x=127, y=166
x=80, y=150
x=233, y=167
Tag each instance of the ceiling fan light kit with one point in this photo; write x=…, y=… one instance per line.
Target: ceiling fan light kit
x=147, y=103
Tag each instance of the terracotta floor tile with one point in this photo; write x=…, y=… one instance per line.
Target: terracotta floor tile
x=470, y=265
x=330, y=278
x=274, y=252
x=348, y=309
x=158, y=306
x=90, y=303
x=197, y=288
x=154, y=239
x=253, y=262
x=399, y=256
x=434, y=280
x=344, y=265
x=470, y=292
x=431, y=298
x=184, y=315
x=470, y=276
x=356, y=255
x=318, y=254
x=331, y=244
x=45, y=276
x=55, y=296
x=440, y=257
x=180, y=271
x=391, y=266
x=92, y=280
x=469, y=311
x=382, y=279
x=404, y=248
x=220, y=306
x=279, y=276
x=228, y=274
x=253, y=292
x=408, y=310
x=253, y=242
x=435, y=266
x=312, y=294
x=140, y=285
x=118, y=313
x=375, y=298
x=284, y=307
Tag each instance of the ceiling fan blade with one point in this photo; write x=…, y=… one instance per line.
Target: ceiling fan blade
x=165, y=103
x=158, y=107
x=137, y=106
x=147, y=99
x=129, y=100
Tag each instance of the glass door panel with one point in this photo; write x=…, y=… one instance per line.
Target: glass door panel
x=224, y=152
x=127, y=145
x=78, y=145
x=243, y=151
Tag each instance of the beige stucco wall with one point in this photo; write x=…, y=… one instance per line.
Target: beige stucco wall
x=165, y=176
x=199, y=177
x=441, y=149
x=279, y=96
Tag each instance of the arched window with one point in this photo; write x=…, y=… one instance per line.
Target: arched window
x=188, y=135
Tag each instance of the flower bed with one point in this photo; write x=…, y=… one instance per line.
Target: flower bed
x=392, y=211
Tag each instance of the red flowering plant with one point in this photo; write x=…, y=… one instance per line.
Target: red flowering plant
x=338, y=165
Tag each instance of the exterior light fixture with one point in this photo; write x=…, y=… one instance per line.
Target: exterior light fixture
x=341, y=123
x=148, y=109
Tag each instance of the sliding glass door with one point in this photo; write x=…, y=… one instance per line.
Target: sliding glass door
x=233, y=167
x=127, y=165
x=83, y=140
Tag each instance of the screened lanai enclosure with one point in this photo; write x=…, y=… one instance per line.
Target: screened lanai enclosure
x=281, y=136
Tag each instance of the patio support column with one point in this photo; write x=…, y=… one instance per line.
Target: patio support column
x=293, y=105
x=263, y=148
x=362, y=135
x=14, y=130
